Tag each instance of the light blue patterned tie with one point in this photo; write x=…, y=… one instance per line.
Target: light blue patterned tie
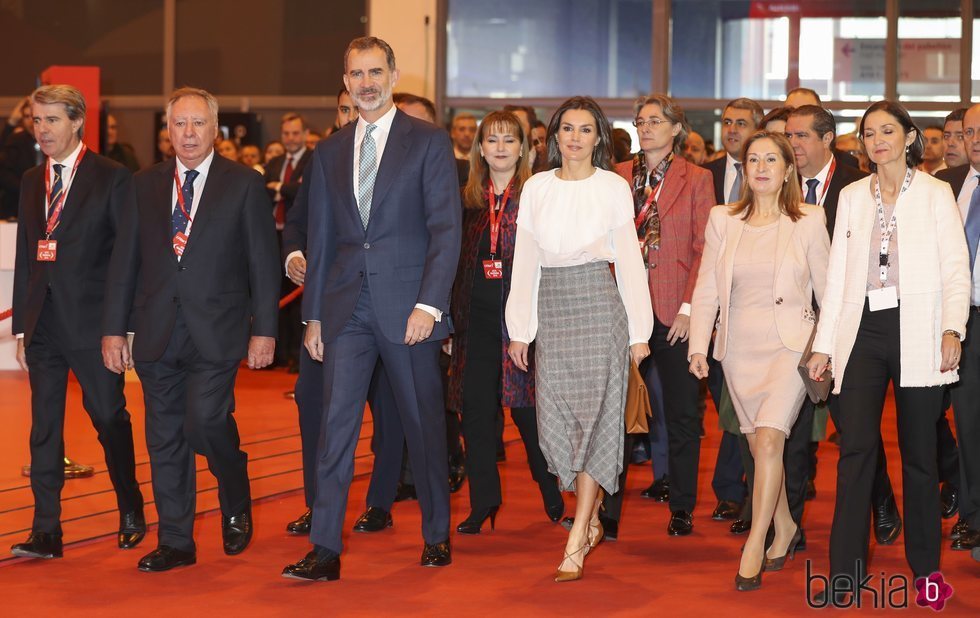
x=973, y=225
x=367, y=171
x=736, y=191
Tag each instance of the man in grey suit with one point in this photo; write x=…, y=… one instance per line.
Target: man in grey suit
x=384, y=235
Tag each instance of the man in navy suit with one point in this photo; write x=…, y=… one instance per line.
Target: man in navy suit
x=384, y=235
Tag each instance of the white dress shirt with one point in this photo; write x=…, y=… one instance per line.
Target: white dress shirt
x=730, y=174
x=821, y=182
x=202, y=177
x=67, y=177
x=963, y=201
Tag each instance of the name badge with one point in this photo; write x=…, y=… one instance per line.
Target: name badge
x=179, y=242
x=493, y=269
x=47, y=250
x=884, y=298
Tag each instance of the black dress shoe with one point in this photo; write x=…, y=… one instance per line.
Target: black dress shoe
x=811, y=491
x=555, y=511
x=968, y=540
x=474, y=523
x=726, y=510
x=659, y=490
x=740, y=526
x=437, y=555
x=373, y=520
x=236, y=532
x=959, y=528
x=457, y=473
x=681, y=524
x=300, y=526
x=132, y=529
x=314, y=568
x=39, y=545
x=164, y=558
x=887, y=521
x=949, y=498
x=405, y=491
x=610, y=527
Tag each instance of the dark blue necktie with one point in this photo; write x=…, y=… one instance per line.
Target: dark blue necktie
x=811, y=191
x=973, y=224
x=179, y=218
x=56, y=187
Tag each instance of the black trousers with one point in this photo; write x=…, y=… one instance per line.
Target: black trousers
x=309, y=404
x=966, y=413
x=102, y=397
x=683, y=419
x=481, y=404
x=874, y=362
x=189, y=404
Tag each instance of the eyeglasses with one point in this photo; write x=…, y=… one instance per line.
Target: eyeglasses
x=653, y=123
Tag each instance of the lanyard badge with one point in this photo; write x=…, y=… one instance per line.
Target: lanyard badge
x=494, y=268
x=47, y=249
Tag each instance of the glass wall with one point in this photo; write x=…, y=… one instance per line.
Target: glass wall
x=929, y=50
x=548, y=48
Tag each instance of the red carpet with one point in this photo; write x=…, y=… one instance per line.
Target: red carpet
x=507, y=571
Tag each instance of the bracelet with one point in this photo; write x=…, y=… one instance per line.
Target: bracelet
x=951, y=332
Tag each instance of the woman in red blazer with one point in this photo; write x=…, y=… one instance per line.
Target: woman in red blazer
x=672, y=199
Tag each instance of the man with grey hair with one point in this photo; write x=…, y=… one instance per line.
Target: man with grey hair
x=463, y=132
x=70, y=217
x=196, y=276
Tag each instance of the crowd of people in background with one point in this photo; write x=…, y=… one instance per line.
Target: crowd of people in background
x=731, y=264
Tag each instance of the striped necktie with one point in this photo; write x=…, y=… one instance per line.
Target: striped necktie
x=367, y=172
x=56, y=187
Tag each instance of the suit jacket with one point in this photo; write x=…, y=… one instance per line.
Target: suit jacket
x=843, y=175
x=18, y=155
x=410, y=249
x=955, y=176
x=802, y=253
x=100, y=193
x=934, y=277
x=289, y=190
x=684, y=205
x=717, y=169
x=227, y=282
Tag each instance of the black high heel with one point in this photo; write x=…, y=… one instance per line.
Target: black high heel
x=776, y=564
x=473, y=523
x=745, y=584
x=554, y=504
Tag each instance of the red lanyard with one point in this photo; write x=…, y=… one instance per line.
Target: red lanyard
x=826, y=182
x=180, y=198
x=54, y=210
x=496, y=216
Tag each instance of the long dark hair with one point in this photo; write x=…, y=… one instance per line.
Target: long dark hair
x=602, y=153
x=913, y=154
x=790, y=195
x=476, y=184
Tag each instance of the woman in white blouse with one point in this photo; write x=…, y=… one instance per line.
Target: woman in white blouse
x=574, y=222
x=895, y=309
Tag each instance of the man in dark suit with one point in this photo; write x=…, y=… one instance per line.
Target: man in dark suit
x=70, y=211
x=798, y=97
x=283, y=178
x=965, y=182
x=19, y=152
x=196, y=276
x=384, y=235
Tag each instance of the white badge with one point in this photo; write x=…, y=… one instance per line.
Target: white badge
x=884, y=298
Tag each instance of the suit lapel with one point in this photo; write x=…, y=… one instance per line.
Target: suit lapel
x=345, y=171
x=783, y=236
x=40, y=213
x=396, y=147
x=210, y=197
x=674, y=181
x=733, y=234
x=81, y=186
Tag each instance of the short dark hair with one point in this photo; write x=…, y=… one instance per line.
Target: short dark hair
x=532, y=117
x=539, y=125
x=913, y=154
x=602, y=153
x=823, y=121
x=956, y=115
x=776, y=114
x=809, y=91
x=749, y=104
x=341, y=92
x=365, y=43
x=407, y=98
x=290, y=117
x=934, y=127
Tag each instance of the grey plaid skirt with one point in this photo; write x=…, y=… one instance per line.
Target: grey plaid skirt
x=581, y=355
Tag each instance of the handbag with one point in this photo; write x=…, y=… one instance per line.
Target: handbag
x=817, y=391
x=637, y=402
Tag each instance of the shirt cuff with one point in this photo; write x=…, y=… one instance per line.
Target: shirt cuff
x=685, y=309
x=430, y=310
x=289, y=258
x=632, y=343
x=19, y=335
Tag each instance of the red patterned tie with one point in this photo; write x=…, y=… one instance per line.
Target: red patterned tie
x=281, y=204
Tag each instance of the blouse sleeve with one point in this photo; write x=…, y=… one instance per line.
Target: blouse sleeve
x=521, y=312
x=631, y=276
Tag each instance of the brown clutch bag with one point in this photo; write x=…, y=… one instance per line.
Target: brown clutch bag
x=817, y=391
x=637, y=403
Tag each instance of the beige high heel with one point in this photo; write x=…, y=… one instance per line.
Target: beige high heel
x=570, y=576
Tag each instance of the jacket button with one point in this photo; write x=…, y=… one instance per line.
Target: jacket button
x=367, y=245
x=653, y=265
x=848, y=233
x=779, y=300
x=181, y=268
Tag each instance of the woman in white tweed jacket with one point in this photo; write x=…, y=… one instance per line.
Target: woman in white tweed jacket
x=895, y=309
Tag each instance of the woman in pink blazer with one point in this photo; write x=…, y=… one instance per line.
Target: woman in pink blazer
x=765, y=257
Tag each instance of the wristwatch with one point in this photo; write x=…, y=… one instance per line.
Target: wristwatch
x=952, y=332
